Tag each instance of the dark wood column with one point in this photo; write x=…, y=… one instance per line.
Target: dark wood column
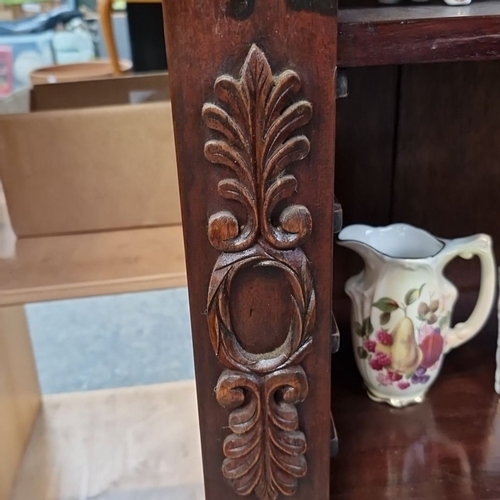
x=253, y=93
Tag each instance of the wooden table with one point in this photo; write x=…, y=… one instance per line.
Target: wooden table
x=253, y=92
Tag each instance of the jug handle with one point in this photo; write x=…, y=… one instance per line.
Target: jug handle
x=466, y=248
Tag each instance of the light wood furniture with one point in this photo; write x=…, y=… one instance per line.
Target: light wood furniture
x=127, y=443
x=62, y=267
x=19, y=393
x=91, y=261
x=19, y=389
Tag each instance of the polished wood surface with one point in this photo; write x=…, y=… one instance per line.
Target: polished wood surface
x=446, y=176
x=59, y=267
x=447, y=447
x=209, y=41
x=371, y=34
x=19, y=393
x=442, y=174
x=364, y=175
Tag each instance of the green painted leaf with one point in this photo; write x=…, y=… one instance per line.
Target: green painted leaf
x=444, y=320
x=413, y=294
x=385, y=318
x=367, y=327
x=358, y=329
x=408, y=376
x=362, y=353
x=385, y=304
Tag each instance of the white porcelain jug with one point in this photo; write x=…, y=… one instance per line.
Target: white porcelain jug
x=402, y=306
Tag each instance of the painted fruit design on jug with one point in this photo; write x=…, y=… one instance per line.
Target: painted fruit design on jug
x=409, y=352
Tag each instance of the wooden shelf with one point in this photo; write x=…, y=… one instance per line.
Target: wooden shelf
x=410, y=33
x=132, y=443
x=59, y=267
x=446, y=447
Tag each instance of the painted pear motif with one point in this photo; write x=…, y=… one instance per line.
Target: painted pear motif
x=405, y=353
x=403, y=303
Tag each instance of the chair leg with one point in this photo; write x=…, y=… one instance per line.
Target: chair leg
x=105, y=14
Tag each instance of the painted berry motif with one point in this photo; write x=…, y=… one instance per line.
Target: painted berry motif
x=407, y=354
x=395, y=376
x=370, y=345
x=419, y=377
x=380, y=360
x=384, y=337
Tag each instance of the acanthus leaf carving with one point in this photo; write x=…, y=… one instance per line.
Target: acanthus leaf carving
x=255, y=139
x=265, y=452
x=257, y=145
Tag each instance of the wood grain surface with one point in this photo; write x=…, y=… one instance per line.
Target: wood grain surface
x=446, y=447
x=82, y=265
x=447, y=174
x=102, y=172
x=208, y=40
x=133, y=443
x=19, y=393
x=364, y=163
x=371, y=34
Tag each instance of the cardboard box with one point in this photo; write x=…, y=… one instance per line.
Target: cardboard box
x=82, y=169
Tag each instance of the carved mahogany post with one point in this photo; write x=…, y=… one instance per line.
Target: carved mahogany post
x=253, y=92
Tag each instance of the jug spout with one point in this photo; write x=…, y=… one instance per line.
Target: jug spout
x=356, y=238
x=394, y=242
x=371, y=257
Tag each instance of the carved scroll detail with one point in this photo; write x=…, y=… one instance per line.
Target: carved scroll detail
x=257, y=145
x=265, y=453
x=254, y=137
x=295, y=268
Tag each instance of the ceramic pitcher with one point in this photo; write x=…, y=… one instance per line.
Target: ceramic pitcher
x=402, y=306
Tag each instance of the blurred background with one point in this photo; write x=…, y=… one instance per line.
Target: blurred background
x=40, y=33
